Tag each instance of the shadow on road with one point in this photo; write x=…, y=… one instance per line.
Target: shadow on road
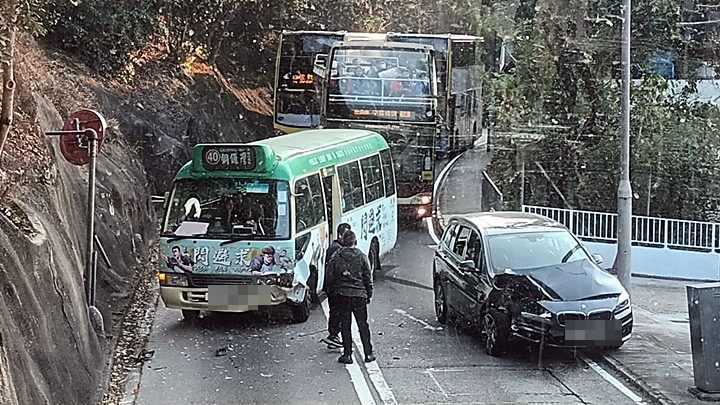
x=522, y=353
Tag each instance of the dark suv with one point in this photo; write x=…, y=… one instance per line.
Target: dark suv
x=524, y=275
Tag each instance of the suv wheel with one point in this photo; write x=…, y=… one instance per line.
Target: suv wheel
x=441, y=307
x=496, y=332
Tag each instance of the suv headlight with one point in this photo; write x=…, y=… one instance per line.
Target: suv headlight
x=173, y=280
x=623, y=300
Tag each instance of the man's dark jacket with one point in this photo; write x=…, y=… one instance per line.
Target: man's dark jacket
x=349, y=274
x=334, y=247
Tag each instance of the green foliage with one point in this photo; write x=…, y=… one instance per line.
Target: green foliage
x=104, y=33
x=28, y=15
x=565, y=87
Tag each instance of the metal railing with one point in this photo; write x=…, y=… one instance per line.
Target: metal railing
x=646, y=231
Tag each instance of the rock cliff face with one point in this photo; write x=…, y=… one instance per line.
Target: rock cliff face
x=49, y=353
x=52, y=353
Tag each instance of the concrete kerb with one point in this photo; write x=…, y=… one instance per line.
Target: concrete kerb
x=637, y=382
x=645, y=390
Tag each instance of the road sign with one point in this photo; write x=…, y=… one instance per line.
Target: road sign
x=75, y=147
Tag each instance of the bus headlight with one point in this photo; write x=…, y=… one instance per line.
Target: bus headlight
x=173, y=280
x=421, y=199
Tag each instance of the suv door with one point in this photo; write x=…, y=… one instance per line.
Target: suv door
x=477, y=281
x=442, y=266
x=457, y=292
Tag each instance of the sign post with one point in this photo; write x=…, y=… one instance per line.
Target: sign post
x=81, y=137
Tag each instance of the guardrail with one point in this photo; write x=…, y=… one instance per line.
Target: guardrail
x=655, y=232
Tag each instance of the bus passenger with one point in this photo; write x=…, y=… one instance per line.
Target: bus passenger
x=354, y=85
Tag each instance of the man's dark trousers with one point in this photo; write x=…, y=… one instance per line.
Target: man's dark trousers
x=334, y=317
x=357, y=307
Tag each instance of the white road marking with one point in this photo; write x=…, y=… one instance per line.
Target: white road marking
x=612, y=380
x=420, y=321
x=373, y=369
x=441, y=176
x=438, y=180
x=442, y=390
x=431, y=230
x=356, y=376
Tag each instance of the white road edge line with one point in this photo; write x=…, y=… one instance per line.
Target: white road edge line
x=362, y=389
x=612, y=380
x=373, y=370
x=431, y=230
x=438, y=181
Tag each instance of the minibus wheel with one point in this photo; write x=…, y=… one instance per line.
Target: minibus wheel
x=301, y=312
x=374, y=259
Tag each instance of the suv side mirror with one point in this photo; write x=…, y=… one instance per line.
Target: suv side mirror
x=467, y=265
x=598, y=259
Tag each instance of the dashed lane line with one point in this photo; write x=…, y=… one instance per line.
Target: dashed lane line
x=420, y=321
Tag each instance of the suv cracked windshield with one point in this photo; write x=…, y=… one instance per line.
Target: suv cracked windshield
x=524, y=251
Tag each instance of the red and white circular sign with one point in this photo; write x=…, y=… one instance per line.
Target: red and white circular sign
x=75, y=148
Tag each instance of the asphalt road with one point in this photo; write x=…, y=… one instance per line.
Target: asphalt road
x=269, y=360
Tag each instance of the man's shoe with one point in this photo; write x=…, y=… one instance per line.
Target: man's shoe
x=345, y=359
x=333, y=342
x=369, y=358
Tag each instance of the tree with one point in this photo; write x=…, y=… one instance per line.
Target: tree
x=565, y=87
x=28, y=15
x=8, y=92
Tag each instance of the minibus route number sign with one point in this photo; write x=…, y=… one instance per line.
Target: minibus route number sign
x=229, y=158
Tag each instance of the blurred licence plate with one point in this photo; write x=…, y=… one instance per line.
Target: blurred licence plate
x=593, y=332
x=238, y=297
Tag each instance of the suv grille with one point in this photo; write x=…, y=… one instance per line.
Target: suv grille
x=603, y=315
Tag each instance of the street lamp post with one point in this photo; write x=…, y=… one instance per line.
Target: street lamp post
x=625, y=189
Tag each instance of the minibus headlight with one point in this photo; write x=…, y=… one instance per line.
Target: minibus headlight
x=173, y=280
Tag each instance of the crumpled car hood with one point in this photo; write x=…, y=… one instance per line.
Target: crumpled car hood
x=576, y=280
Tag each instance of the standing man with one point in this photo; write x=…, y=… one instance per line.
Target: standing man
x=350, y=280
x=333, y=340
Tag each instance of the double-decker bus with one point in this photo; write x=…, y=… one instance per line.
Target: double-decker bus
x=303, y=70
x=297, y=100
x=460, y=71
x=389, y=88
x=246, y=226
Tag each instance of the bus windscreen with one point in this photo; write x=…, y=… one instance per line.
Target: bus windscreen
x=380, y=84
x=296, y=100
x=229, y=207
